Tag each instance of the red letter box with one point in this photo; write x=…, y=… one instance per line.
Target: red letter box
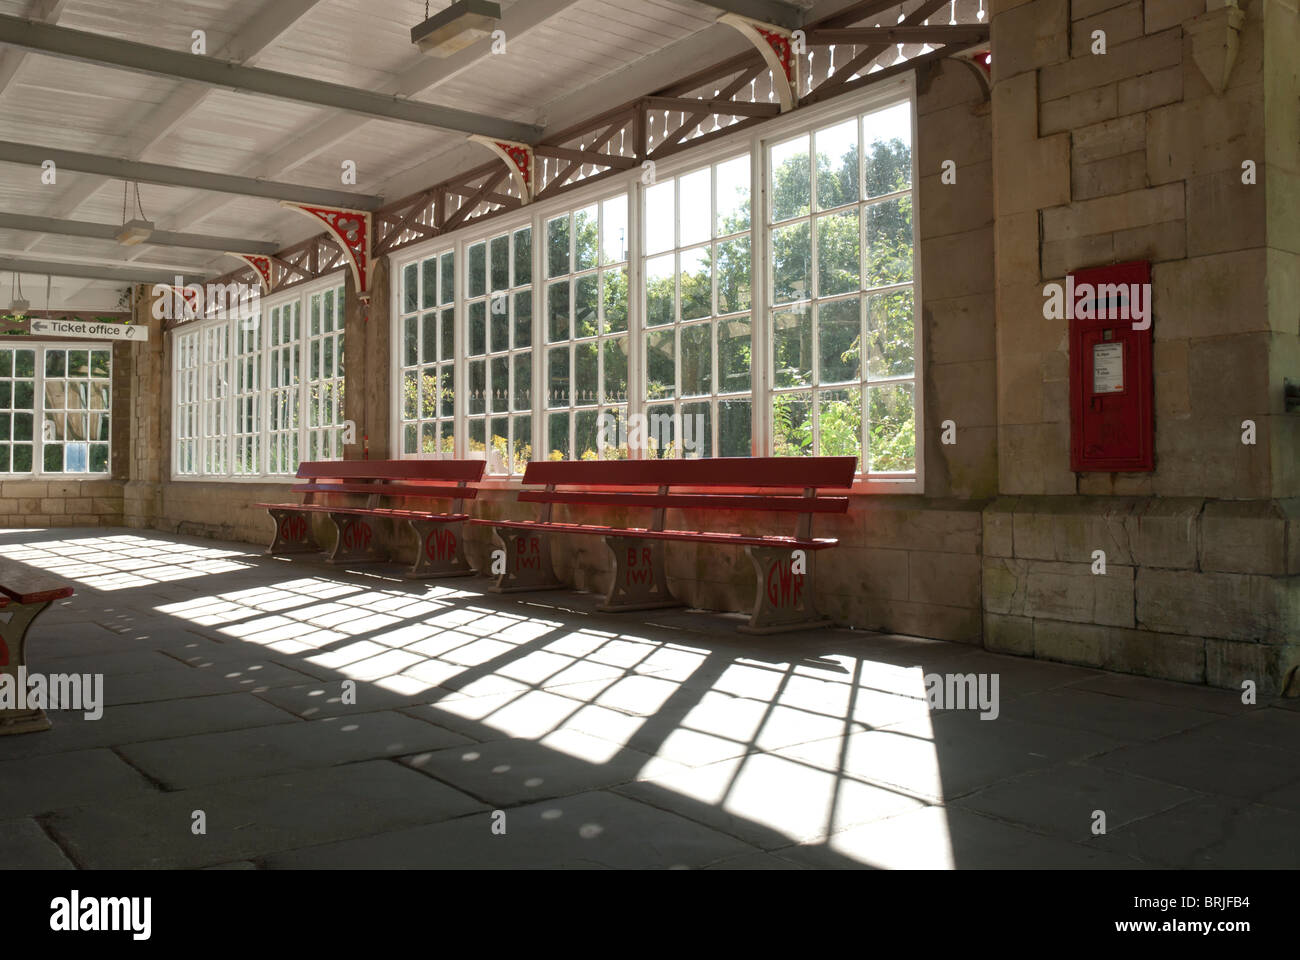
x=1111, y=417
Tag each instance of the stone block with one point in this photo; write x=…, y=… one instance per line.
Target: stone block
x=1244, y=536
x=1071, y=530
x=1206, y=135
x=964, y=393
x=946, y=526
x=1157, y=242
x=25, y=488
x=957, y=133
x=1014, y=635
x=1228, y=606
x=1015, y=248
x=1078, y=109
x=1204, y=457
x=1078, y=643
x=1135, y=58
x=1035, y=459
x=1031, y=36
x=956, y=208
x=1160, y=655
x=1059, y=591
x=1163, y=14
x=1272, y=668
x=1112, y=175
x=1020, y=389
x=949, y=579
x=1169, y=363
x=1030, y=176
x=1064, y=256
x=959, y=329
x=1110, y=138
x=1137, y=94
x=1240, y=363
x=1118, y=212
x=1209, y=296
x=1223, y=214
x=1119, y=24
x=965, y=258
x=999, y=527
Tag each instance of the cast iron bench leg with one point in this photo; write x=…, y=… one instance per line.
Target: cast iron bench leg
x=439, y=550
x=786, y=600
x=357, y=542
x=639, y=581
x=528, y=562
x=13, y=655
x=293, y=533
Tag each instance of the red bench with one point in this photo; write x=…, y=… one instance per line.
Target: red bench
x=24, y=595
x=782, y=564
x=440, y=545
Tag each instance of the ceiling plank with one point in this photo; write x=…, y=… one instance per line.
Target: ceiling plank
x=54, y=268
x=765, y=11
x=109, y=231
x=139, y=172
x=95, y=48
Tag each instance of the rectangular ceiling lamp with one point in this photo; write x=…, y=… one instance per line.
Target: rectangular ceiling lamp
x=457, y=27
x=135, y=231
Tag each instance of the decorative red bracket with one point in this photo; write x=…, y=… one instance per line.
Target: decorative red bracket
x=777, y=47
x=352, y=230
x=518, y=157
x=261, y=266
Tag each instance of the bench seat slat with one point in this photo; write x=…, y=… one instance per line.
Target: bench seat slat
x=785, y=472
x=692, y=501
x=367, y=511
x=21, y=584
x=471, y=471
x=638, y=533
x=432, y=492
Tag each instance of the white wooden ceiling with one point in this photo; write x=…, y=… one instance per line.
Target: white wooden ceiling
x=583, y=56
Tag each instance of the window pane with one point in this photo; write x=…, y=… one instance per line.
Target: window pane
x=523, y=256
x=410, y=288
x=891, y=425
x=585, y=238
x=477, y=315
x=791, y=186
x=697, y=360
x=558, y=367
x=585, y=305
x=887, y=135
x=615, y=370
x=477, y=282
x=735, y=358
x=837, y=165
x=524, y=318
x=557, y=246
x=523, y=385
x=447, y=351
x=614, y=240
x=839, y=329
x=695, y=204
x=499, y=309
x=477, y=387
x=733, y=196
x=558, y=436
x=660, y=290
x=792, y=425
x=697, y=283
x=446, y=391
x=557, y=306
x=840, y=424
x=615, y=300
x=661, y=369
x=792, y=348
x=735, y=428
x=697, y=430
x=411, y=342
x=660, y=217
x=791, y=259
x=889, y=242
x=891, y=334
x=500, y=266
x=447, y=287
x=838, y=255
x=428, y=339
x=733, y=275
x=500, y=386
x=586, y=374
x=429, y=283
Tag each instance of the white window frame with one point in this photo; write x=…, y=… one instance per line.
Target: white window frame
x=203, y=414
x=755, y=141
x=38, y=411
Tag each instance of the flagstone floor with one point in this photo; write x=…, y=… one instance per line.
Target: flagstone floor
x=270, y=713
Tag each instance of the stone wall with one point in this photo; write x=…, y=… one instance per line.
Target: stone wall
x=1133, y=155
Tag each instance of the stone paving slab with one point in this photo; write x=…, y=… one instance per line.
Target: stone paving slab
x=185, y=762
x=1213, y=832
x=253, y=818
x=1061, y=801
x=38, y=785
x=137, y=722
x=237, y=676
x=935, y=838
x=1264, y=726
x=1122, y=718
x=769, y=801
x=25, y=846
x=1168, y=692
x=1201, y=761
x=598, y=830
x=514, y=772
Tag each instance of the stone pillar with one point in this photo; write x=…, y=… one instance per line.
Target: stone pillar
x=366, y=368
x=149, y=420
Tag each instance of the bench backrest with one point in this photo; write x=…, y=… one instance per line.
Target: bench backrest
x=430, y=479
x=613, y=482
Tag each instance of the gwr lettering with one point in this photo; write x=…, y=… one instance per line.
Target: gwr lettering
x=440, y=545
x=646, y=571
x=528, y=553
x=356, y=535
x=784, y=586
x=293, y=528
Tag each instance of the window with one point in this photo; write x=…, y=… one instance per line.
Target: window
x=757, y=300
x=255, y=394
x=499, y=345
x=324, y=394
x=840, y=292
x=587, y=331
x=68, y=391
x=428, y=355
x=697, y=313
